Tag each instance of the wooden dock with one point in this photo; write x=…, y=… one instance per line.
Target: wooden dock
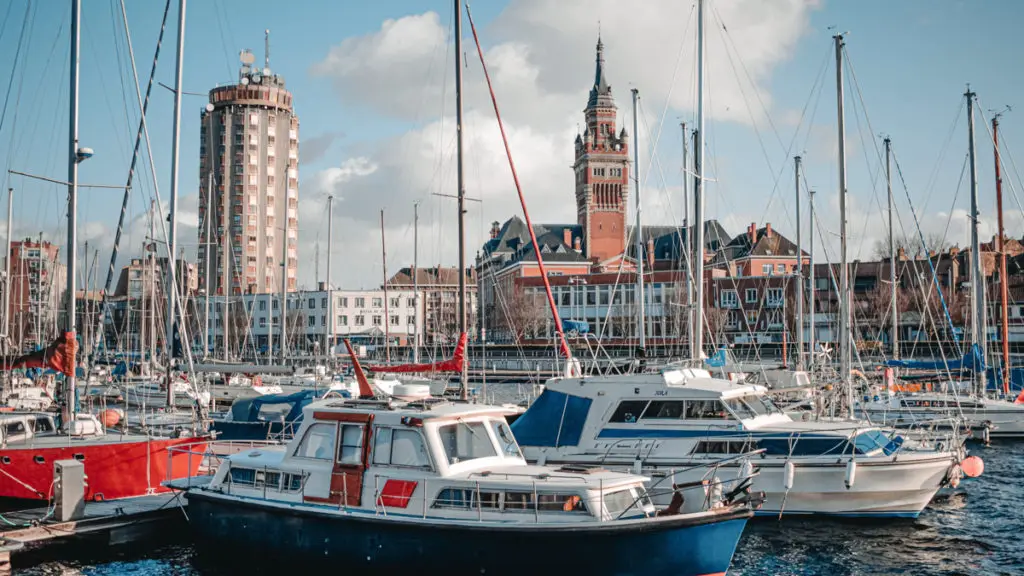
x=113, y=522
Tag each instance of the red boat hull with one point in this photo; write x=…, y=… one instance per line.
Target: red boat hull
x=113, y=469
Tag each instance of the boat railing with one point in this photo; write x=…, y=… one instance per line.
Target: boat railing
x=209, y=455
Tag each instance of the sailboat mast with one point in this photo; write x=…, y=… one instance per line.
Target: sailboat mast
x=893, y=312
x=150, y=251
x=68, y=410
x=1004, y=286
x=206, y=288
x=810, y=303
x=799, y=271
x=463, y=376
x=172, y=229
x=686, y=238
x=284, y=295
x=697, y=343
x=844, y=273
x=977, y=278
x=329, y=339
x=7, y=273
x=387, y=314
x=641, y=324
x=415, y=283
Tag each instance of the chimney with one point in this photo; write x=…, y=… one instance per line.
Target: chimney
x=901, y=253
x=576, y=244
x=567, y=236
x=953, y=251
x=752, y=232
x=768, y=229
x=495, y=229
x=931, y=254
x=650, y=253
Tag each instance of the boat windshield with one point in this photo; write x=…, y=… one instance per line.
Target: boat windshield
x=761, y=405
x=740, y=409
x=506, y=441
x=463, y=441
x=623, y=503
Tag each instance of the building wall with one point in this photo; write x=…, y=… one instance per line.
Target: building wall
x=249, y=145
x=37, y=285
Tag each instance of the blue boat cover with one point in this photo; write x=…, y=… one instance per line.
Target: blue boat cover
x=577, y=326
x=718, y=360
x=554, y=419
x=248, y=409
x=973, y=360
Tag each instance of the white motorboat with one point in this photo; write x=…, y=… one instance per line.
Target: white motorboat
x=661, y=424
x=152, y=394
x=994, y=418
x=377, y=486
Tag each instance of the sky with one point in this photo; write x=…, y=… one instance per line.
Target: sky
x=373, y=87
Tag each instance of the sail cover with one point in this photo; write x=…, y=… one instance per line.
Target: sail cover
x=59, y=355
x=453, y=364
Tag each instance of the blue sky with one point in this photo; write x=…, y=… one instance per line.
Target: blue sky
x=372, y=86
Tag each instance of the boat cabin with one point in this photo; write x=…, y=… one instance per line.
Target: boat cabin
x=432, y=458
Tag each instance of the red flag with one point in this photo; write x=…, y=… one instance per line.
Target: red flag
x=59, y=355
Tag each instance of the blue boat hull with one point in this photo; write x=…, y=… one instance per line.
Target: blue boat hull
x=375, y=544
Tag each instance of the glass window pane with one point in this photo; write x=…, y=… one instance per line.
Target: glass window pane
x=318, y=442
x=407, y=449
x=382, y=446
x=466, y=441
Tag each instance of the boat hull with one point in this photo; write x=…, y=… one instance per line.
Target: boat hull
x=114, y=469
x=390, y=544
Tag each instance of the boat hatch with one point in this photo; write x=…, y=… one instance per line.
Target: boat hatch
x=581, y=469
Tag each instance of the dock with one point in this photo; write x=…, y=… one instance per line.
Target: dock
x=111, y=522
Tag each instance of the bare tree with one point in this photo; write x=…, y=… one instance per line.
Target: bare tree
x=911, y=245
x=714, y=324
x=525, y=315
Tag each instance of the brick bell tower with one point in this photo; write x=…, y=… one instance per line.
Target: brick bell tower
x=602, y=173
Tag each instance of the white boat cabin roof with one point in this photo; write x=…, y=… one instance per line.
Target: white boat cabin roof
x=683, y=382
x=393, y=412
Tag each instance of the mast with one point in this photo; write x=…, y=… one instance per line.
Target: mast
x=384, y=267
x=415, y=283
x=284, y=294
x=7, y=273
x=893, y=312
x=977, y=279
x=641, y=324
x=810, y=305
x=463, y=376
x=329, y=340
x=686, y=239
x=70, y=405
x=844, y=273
x=697, y=344
x=799, y=273
x=172, y=230
x=206, y=287
x=225, y=259
x=1004, y=285
x=151, y=264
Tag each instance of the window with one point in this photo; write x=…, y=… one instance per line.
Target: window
x=395, y=302
x=343, y=320
x=766, y=269
x=360, y=302
x=750, y=295
x=312, y=303
x=376, y=320
x=274, y=304
x=620, y=502
x=263, y=305
x=323, y=302
x=411, y=320
x=506, y=441
x=464, y=441
x=629, y=411
x=323, y=319
x=360, y=320
x=410, y=302
x=311, y=321
x=774, y=296
x=466, y=499
x=396, y=447
x=664, y=410
x=318, y=442
x=394, y=320
x=351, y=452
x=519, y=501
x=378, y=302
x=724, y=447
x=740, y=409
x=263, y=322
x=729, y=299
x=780, y=268
x=751, y=318
x=705, y=410
x=344, y=302
x=561, y=503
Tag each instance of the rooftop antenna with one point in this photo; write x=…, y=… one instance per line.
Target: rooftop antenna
x=266, y=52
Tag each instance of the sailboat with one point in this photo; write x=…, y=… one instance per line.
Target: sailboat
x=117, y=465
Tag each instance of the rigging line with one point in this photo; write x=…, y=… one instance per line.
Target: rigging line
x=917, y=223
x=867, y=161
x=223, y=37
x=1006, y=150
x=121, y=68
x=14, y=69
x=3, y=27
x=940, y=162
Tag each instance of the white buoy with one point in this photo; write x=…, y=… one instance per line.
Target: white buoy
x=851, y=474
x=787, y=476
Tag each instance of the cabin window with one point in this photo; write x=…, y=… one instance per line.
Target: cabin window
x=393, y=447
x=740, y=409
x=629, y=411
x=464, y=441
x=246, y=476
x=561, y=503
x=724, y=447
x=467, y=499
x=761, y=405
x=318, y=442
x=705, y=410
x=506, y=441
x=292, y=482
x=15, y=428
x=519, y=501
x=274, y=412
x=664, y=410
x=620, y=502
x=43, y=425
x=351, y=451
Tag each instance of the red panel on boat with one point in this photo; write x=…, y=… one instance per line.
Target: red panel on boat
x=342, y=416
x=396, y=493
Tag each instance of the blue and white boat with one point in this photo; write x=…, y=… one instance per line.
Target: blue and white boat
x=663, y=424
x=372, y=486
x=268, y=417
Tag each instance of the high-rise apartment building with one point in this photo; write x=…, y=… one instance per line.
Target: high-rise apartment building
x=37, y=290
x=249, y=154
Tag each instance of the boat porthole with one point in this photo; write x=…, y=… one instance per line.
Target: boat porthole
x=39, y=460
x=5, y=459
x=80, y=457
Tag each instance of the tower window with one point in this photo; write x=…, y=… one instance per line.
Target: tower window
x=598, y=171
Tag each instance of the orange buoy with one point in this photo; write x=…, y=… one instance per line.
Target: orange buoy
x=111, y=417
x=972, y=466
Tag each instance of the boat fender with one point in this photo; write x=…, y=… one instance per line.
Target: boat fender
x=973, y=466
x=851, y=474
x=789, y=471
x=746, y=470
